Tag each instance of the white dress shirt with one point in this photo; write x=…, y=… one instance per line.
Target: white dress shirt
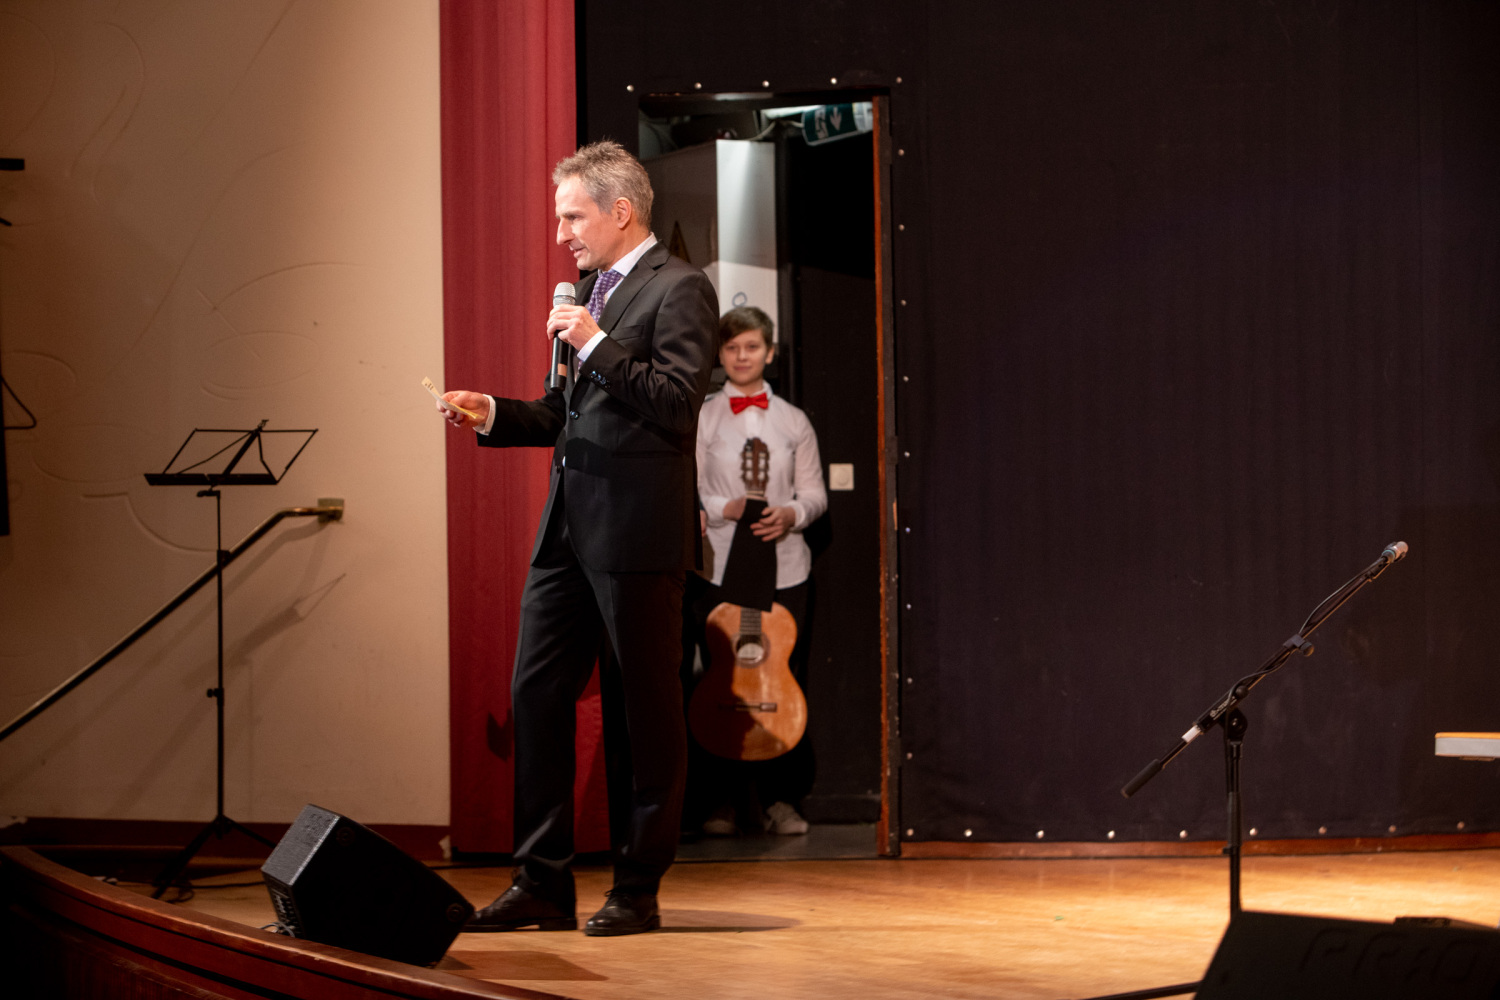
x=795, y=477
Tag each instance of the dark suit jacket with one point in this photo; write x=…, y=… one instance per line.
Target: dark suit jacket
x=625, y=430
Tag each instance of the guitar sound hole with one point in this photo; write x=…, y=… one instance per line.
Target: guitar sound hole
x=750, y=649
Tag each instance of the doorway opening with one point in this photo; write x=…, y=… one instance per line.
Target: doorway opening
x=781, y=200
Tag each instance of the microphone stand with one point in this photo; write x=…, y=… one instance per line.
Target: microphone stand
x=1225, y=713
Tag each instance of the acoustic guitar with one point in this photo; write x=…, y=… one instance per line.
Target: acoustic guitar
x=747, y=705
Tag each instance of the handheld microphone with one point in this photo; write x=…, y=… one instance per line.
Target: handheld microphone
x=562, y=295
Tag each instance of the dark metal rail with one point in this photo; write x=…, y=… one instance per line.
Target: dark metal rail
x=327, y=510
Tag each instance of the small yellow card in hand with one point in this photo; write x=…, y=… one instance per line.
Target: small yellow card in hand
x=427, y=384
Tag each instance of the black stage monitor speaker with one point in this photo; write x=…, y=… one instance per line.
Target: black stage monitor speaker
x=334, y=881
x=1265, y=955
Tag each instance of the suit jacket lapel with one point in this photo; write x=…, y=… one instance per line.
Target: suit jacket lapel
x=630, y=285
x=619, y=300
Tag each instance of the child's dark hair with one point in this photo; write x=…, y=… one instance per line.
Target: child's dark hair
x=736, y=321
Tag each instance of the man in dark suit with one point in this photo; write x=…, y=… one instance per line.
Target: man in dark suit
x=618, y=534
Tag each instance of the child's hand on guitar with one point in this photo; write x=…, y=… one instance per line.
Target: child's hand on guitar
x=734, y=509
x=774, y=523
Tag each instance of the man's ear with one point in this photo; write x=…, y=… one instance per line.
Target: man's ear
x=623, y=212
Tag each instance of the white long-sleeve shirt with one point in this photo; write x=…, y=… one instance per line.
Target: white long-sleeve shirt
x=794, y=477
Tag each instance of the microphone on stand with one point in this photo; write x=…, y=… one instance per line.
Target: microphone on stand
x=562, y=295
x=1389, y=556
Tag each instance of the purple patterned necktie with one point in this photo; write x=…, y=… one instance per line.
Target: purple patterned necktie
x=607, y=280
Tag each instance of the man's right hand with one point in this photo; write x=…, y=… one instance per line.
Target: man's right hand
x=476, y=402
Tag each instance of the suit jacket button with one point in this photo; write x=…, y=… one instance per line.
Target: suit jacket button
x=573, y=414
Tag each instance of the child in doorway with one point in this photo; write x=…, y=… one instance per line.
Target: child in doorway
x=748, y=408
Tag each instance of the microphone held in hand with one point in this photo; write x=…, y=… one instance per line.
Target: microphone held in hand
x=562, y=295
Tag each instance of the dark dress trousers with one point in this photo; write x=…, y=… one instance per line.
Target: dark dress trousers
x=618, y=533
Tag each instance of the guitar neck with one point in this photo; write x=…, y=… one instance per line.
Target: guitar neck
x=749, y=621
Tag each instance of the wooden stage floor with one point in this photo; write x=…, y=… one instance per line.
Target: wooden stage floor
x=887, y=929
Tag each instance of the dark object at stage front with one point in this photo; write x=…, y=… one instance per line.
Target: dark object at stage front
x=1266, y=955
x=337, y=882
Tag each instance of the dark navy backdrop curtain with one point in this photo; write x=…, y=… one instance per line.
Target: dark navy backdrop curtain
x=1197, y=307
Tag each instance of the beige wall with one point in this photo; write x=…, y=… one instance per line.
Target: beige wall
x=230, y=211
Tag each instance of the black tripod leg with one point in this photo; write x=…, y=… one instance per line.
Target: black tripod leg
x=220, y=826
x=232, y=824
x=179, y=862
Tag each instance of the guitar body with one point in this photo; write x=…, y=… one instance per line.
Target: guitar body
x=747, y=705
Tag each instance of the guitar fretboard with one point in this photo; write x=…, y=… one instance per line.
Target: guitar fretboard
x=749, y=621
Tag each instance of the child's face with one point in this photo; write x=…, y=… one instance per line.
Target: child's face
x=745, y=356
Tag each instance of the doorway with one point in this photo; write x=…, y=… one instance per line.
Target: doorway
x=833, y=359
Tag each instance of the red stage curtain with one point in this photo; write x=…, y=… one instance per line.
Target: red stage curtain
x=508, y=101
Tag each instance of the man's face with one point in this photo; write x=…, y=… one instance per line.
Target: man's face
x=594, y=237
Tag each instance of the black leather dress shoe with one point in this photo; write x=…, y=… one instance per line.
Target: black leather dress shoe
x=522, y=905
x=624, y=913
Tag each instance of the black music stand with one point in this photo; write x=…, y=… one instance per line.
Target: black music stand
x=193, y=475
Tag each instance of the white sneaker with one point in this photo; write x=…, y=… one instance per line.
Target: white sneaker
x=783, y=819
x=721, y=823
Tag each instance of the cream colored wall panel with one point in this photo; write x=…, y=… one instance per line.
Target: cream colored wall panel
x=230, y=212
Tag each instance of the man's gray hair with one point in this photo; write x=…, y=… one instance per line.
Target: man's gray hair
x=607, y=172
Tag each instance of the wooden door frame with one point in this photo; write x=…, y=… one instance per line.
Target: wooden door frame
x=889, y=827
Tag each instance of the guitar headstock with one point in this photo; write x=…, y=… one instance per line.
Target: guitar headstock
x=755, y=468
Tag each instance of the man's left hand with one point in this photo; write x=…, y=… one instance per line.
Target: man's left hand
x=573, y=324
x=774, y=523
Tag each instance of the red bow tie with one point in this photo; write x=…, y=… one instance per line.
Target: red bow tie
x=740, y=403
